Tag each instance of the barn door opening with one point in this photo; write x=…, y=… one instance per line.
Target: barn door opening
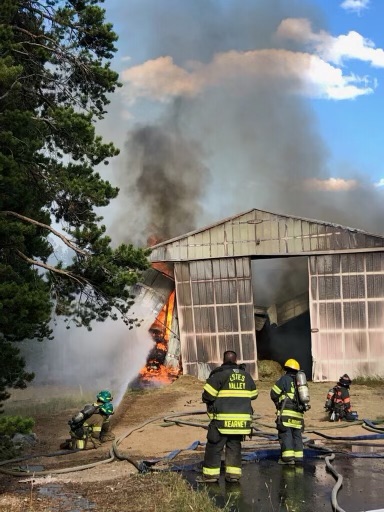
x=280, y=288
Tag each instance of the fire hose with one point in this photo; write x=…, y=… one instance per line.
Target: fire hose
x=175, y=418
x=114, y=453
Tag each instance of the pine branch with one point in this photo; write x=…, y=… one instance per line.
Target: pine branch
x=80, y=280
x=50, y=228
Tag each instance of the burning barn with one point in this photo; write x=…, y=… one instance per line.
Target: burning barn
x=335, y=325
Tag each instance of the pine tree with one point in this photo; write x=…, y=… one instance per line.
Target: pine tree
x=55, y=79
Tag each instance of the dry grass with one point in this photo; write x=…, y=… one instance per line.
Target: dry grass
x=49, y=406
x=155, y=492
x=161, y=492
x=372, y=381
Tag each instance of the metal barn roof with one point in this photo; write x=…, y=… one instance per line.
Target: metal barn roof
x=259, y=233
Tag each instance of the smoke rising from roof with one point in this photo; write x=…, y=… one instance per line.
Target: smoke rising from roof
x=239, y=83
x=258, y=137
x=163, y=183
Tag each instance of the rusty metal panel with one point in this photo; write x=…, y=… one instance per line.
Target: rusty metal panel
x=347, y=315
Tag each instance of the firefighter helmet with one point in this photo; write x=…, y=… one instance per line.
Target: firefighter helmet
x=106, y=409
x=292, y=364
x=345, y=381
x=104, y=396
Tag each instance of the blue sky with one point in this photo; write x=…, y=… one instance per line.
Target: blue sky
x=355, y=128
x=271, y=104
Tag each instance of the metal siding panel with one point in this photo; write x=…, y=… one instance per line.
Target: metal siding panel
x=252, y=369
x=206, y=240
x=313, y=237
x=290, y=229
x=188, y=350
x=239, y=263
x=233, y=232
x=246, y=317
x=192, y=369
x=349, y=337
x=249, y=347
x=206, y=348
x=202, y=322
x=198, y=243
x=204, y=319
x=282, y=236
x=182, y=250
x=298, y=234
x=274, y=234
x=229, y=342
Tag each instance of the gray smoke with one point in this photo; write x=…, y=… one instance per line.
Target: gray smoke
x=260, y=141
x=163, y=183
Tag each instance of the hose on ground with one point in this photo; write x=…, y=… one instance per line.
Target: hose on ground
x=339, y=482
x=114, y=454
x=370, y=437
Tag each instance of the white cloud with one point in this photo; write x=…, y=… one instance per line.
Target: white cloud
x=332, y=49
x=331, y=184
x=355, y=5
x=297, y=72
x=319, y=71
x=380, y=183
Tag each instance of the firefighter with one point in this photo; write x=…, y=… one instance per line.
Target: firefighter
x=91, y=426
x=228, y=393
x=290, y=413
x=338, y=403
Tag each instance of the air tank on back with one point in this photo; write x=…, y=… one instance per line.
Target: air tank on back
x=302, y=389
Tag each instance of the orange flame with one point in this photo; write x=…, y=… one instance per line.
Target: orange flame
x=155, y=370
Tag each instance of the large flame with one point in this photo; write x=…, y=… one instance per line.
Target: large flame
x=155, y=370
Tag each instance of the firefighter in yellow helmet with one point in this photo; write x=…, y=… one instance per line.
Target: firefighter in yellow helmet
x=290, y=412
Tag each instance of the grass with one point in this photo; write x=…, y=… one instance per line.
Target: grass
x=370, y=381
x=163, y=492
x=48, y=406
x=155, y=492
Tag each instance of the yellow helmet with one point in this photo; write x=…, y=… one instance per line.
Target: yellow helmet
x=292, y=364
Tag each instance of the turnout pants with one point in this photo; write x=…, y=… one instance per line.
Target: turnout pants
x=216, y=443
x=291, y=443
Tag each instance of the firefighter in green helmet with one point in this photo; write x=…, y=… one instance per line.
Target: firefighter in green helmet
x=91, y=426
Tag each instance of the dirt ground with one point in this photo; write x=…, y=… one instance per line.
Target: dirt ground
x=153, y=440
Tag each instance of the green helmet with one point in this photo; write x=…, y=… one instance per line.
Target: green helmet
x=104, y=396
x=106, y=408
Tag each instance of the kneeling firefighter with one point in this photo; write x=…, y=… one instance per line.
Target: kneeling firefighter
x=290, y=395
x=338, y=403
x=91, y=426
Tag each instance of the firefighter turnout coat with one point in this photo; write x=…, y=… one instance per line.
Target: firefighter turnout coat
x=228, y=393
x=284, y=395
x=339, y=401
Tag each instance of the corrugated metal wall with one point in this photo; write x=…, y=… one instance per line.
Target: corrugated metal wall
x=216, y=312
x=347, y=315
x=153, y=290
x=260, y=233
